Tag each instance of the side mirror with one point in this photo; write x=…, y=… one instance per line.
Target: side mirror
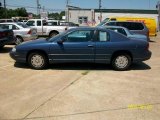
x=60, y=41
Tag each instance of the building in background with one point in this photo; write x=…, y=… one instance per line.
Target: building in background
x=92, y=17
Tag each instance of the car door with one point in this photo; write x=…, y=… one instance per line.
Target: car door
x=104, y=48
x=77, y=46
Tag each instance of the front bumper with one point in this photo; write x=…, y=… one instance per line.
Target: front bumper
x=18, y=57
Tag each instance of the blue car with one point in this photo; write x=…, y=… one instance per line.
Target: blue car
x=84, y=44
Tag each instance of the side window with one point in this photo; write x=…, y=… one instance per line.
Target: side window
x=79, y=36
x=103, y=36
x=30, y=23
x=11, y=27
x=122, y=31
x=38, y=23
x=14, y=27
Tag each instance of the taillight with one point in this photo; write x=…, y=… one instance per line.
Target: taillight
x=29, y=32
x=3, y=34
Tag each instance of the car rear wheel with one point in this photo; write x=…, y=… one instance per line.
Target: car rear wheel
x=52, y=34
x=37, y=61
x=18, y=40
x=121, y=62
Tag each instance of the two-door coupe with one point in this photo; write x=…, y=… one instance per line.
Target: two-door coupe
x=84, y=44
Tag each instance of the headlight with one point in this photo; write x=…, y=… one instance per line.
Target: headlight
x=13, y=49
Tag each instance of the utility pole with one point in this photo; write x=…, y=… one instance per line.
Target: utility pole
x=43, y=8
x=100, y=6
x=5, y=9
x=67, y=11
x=38, y=7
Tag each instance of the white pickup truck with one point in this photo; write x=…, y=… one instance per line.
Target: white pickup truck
x=43, y=29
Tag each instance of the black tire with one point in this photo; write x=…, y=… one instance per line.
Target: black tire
x=121, y=62
x=37, y=61
x=18, y=40
x=52, y=34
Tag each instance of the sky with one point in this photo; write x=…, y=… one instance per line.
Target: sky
x=56, y=5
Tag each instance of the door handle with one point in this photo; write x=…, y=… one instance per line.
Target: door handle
x=90, y=46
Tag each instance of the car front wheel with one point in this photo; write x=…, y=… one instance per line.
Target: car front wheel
x=37, y=61
x=121, y=62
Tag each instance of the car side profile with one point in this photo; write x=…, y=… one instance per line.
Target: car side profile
x=126, y=32
x=84, y=44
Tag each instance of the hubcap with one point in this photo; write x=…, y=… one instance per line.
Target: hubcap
x=121, y=61
x=53, y=34
x=18, y=41
x=37, y=61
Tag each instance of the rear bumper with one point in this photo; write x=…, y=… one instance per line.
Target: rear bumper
x=29, y=37
x=6, y=41
x=146, y=56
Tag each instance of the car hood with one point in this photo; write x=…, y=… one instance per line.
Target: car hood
x=37, y=41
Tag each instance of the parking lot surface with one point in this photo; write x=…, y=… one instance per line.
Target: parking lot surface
x=80, y=91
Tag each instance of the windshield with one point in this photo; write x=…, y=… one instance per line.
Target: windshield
x=23, y=25
x=103, y=22
x=57, y=36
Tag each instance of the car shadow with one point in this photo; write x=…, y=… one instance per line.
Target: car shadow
x=85, y=66
x=140, y=66
x=152, y=41
x=6, y=49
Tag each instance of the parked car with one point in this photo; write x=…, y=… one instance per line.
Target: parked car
x=6, y=37
x=21, y=31
x=126, y=32
x=44, y=29
x=151, y=23
x=6, y=20
x=84, y=44
x=134, y=27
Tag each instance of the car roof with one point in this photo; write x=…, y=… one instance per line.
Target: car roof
x=9, y=23
x=89, y=28
x=115, y=27
x=126, y=21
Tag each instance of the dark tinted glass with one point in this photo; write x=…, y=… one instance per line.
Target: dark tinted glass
x=131, y=26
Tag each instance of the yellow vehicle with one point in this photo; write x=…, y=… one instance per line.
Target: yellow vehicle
x=149, y=22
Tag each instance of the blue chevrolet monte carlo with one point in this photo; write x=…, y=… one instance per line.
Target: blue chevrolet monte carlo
x=83, y=44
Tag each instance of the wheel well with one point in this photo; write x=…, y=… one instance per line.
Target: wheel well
x=53, y=32
x=39, y=51
x=122, y=52
x=19, y=37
